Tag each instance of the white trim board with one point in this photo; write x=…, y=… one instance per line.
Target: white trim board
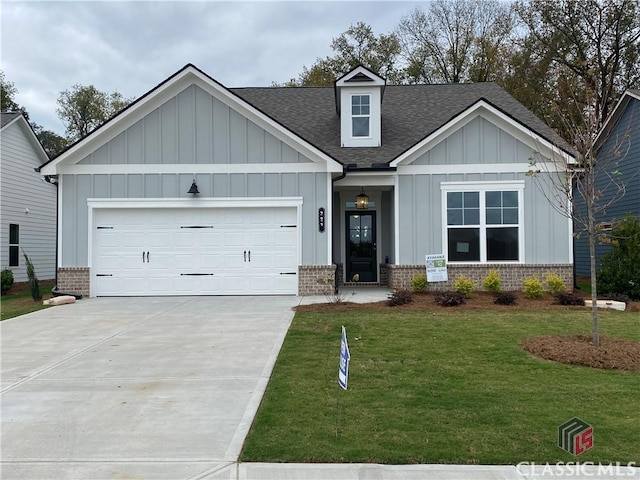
x=158, y=168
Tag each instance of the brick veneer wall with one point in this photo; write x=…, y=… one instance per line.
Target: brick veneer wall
x=511, y=275
x=316, y=279
x=74, y=280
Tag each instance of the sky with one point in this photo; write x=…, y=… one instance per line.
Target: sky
x=132, y=46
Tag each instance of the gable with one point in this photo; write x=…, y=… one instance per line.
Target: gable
x=171, y=112
x=478, y=142
x=478, y=133
x=194, y=127
x=15, y=128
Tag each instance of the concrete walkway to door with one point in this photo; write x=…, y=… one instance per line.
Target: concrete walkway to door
x=136, y=387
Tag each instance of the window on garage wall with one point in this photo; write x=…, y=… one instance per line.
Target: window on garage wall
x=14, y=245
x=483, y=222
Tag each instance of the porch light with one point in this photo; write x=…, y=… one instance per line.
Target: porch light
x=194, y=188
x=362, y=200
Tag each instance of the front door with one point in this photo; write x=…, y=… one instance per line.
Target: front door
x=361, y=264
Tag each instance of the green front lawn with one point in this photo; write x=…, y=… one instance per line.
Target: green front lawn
x=441, y=386
x=18, y=301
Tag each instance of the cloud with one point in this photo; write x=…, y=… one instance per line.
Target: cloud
x=131, y=46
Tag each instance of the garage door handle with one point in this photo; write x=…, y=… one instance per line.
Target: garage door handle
x=143, y=256
x=147, y=257
x=245, y=255
x=249, y=256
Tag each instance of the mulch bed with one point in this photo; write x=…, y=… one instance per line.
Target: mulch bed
x=612, y=354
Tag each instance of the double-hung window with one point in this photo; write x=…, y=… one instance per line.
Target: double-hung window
x=483, y=222
x=360, y=115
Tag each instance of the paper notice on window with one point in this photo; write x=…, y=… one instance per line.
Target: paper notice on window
x=462, y=247
x=436, y=268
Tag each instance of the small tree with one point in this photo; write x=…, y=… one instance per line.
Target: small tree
x=33, y=279
x=583, y=190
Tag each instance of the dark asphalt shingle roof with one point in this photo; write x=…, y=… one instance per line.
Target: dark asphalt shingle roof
x=8, y=117
x=409, y=114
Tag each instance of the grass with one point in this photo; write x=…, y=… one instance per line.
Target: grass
x=18, y=301
x=441, y=386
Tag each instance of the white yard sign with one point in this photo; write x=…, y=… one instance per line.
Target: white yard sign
x=436, y=268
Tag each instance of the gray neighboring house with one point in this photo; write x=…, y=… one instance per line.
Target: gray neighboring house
x=28, y=203
x=620, y=133
x=299, y=186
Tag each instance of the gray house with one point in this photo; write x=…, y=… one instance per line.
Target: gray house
x=198, y=189
x=619, y=145
x=27, y=204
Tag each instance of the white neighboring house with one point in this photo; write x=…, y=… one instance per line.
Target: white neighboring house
x=28, y=203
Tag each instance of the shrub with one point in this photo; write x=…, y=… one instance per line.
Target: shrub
x=419, y=283
x=399, y=297
x=505, y=298
x=464, y=286
x=532, y=287
x=6, y=280
x=555, y=284
x=34, y=285
x=492, y=282
x=450, y=299
x=569, y=299
x=619, y=271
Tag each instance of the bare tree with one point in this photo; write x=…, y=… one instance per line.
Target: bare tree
x=455, y=41
x=583, y=191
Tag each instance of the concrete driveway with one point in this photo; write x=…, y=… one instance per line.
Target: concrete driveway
x=136, y=387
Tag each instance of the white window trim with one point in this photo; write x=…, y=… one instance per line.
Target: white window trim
x=483, y=187
x=352, y=116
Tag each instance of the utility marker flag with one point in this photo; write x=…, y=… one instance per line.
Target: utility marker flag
x=343, y=371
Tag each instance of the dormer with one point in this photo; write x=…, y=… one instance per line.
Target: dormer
x=358, y=100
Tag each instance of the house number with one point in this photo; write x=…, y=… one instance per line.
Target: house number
x=321, y=219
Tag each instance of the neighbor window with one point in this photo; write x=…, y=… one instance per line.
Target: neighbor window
x=14, y=245
x=360, y=115
x=483, y=225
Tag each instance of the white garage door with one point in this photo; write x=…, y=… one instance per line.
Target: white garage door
x=203, y=251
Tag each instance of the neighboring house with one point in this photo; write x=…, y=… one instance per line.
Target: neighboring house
x=619, y=147
x=297, y=183
x=28, y=203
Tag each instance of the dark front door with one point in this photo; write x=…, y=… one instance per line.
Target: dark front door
x=361, y=261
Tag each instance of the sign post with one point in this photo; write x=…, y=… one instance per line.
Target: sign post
x=343, y=373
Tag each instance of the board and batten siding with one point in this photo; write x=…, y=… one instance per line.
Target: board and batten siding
x=194, y=127
x=479, y=142
x=77, y=189
x=624, y=137
x=22, y=188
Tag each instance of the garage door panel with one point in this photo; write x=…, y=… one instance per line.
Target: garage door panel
x=195, y=251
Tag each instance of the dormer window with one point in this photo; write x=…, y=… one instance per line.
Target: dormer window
x=359, y=98
x=360, y=115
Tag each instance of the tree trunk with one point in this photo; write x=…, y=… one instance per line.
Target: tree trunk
x=594, y=293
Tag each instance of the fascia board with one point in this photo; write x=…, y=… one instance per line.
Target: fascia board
x=484, y=109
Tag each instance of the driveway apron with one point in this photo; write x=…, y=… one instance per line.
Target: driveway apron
x=136, y=387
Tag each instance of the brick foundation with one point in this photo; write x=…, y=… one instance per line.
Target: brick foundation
x=511, y=275
x=316, y=279
x=74, y=280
